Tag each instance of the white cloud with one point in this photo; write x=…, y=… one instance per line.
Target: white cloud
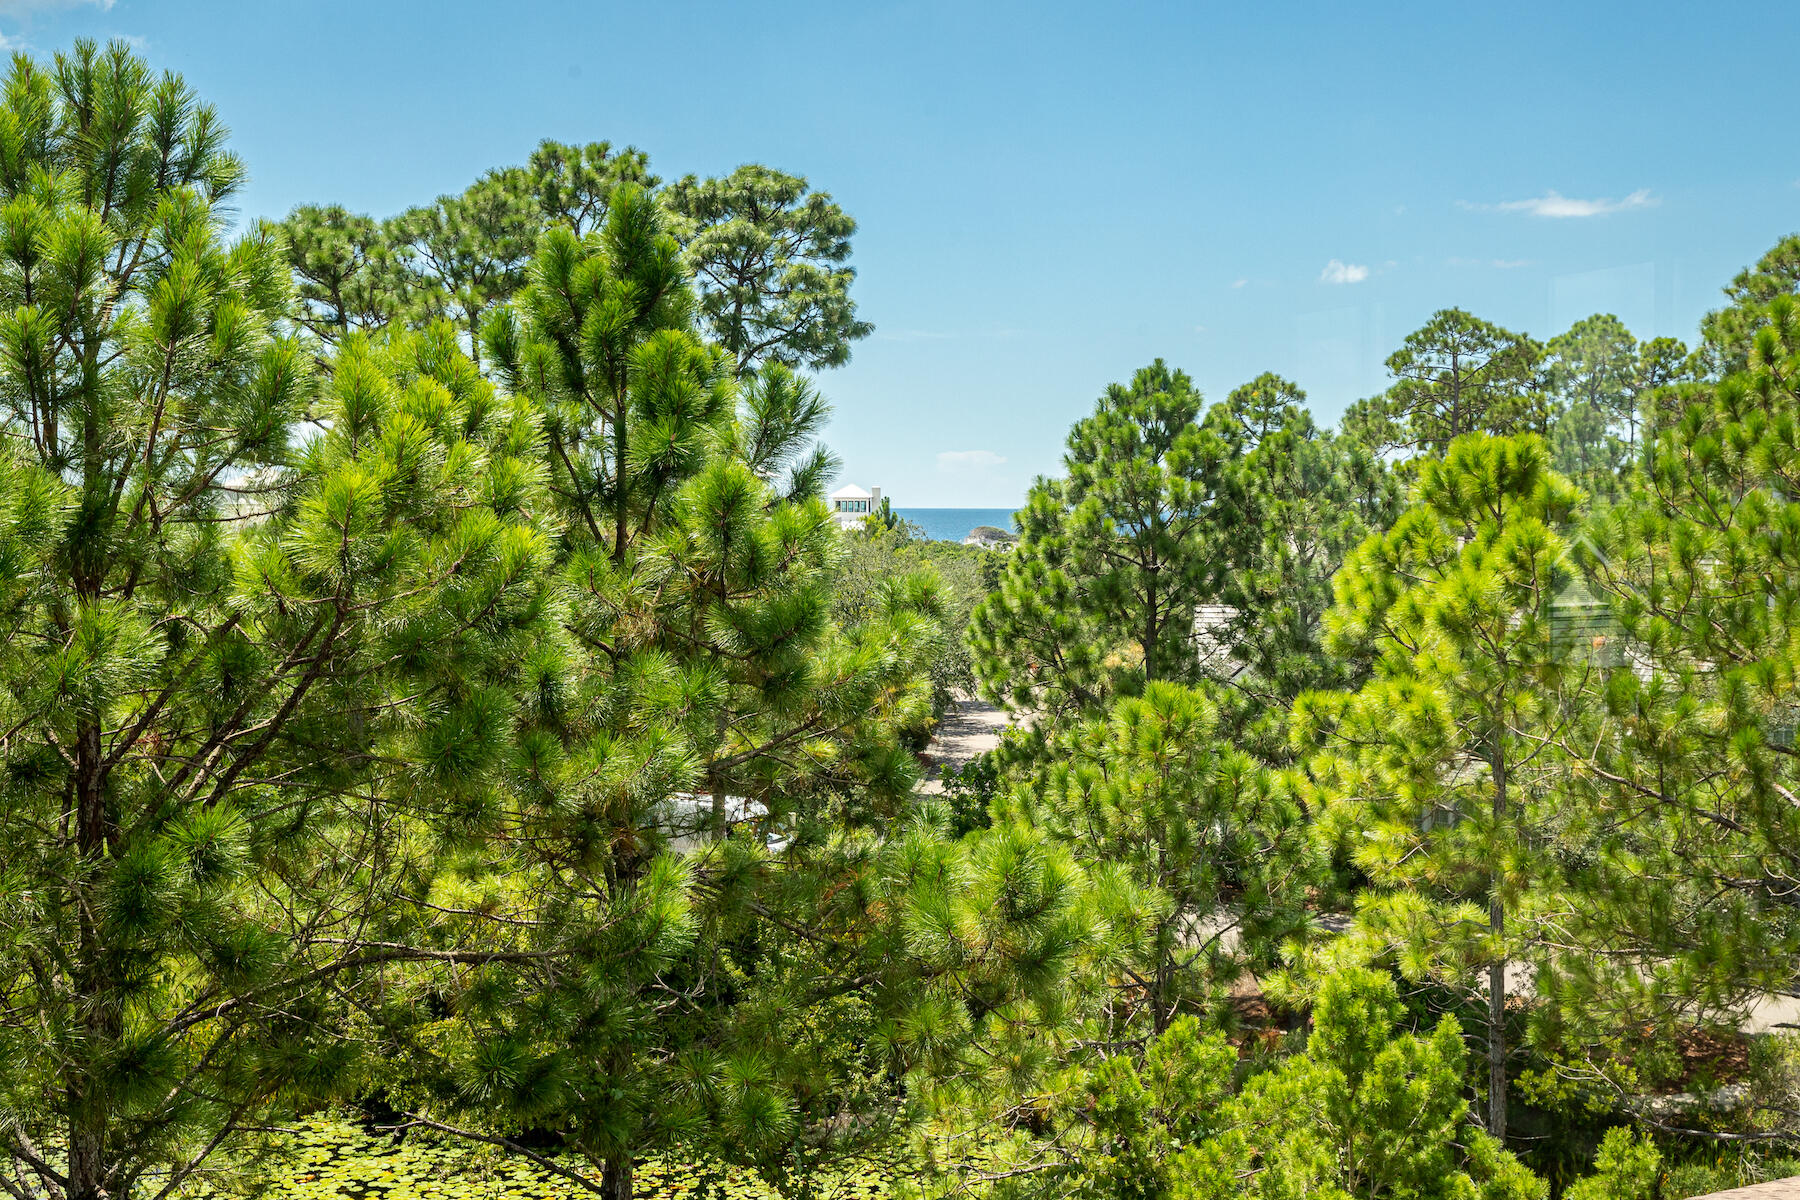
x=1343, y=272
x=912, y=335
x=1556, y=205
x=968, y=460
x=1238, y=283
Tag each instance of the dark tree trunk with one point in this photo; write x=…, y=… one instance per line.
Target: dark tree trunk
x=615, y=1178
x=1496, y=1120
x=84, y=1089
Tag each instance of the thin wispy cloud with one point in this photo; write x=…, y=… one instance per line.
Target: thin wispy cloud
x=1499, y=264
x=1555, y=205
x=24, y=8
x=968, y=460
x=1337, y=271
x=1238, y=283
x=912, y=335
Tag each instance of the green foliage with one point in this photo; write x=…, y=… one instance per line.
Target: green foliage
x=336, y=1158
x=769, y=262
x=574, y=185
x=1249, y=509
x=430, y=677
x=767, y=256
x=1602, y=382
x=1207, y=852
x=1728, y=334
x=969, y=791
x=781, y=410
x=1099, y=596
x=1688, y=761
x=1365, y=1110
x=233, y=657
x=1627, y=1168
x=1457, y=374
x=879, y=560
x=346, y=276
x=465, y=254
x=1299, y=501
x=1432, y=778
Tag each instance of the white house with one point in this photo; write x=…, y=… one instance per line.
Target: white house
x=850, y=504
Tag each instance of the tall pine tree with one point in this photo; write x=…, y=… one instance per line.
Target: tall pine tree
x=1432, y=777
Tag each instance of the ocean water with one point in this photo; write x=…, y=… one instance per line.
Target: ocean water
x=954, y=524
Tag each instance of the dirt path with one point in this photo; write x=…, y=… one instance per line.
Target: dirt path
x=971, y=727
x=1780, y=1189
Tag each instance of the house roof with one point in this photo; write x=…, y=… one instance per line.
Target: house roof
x=851, y=492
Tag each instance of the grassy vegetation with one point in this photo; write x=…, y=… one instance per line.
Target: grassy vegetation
x=332, y=1157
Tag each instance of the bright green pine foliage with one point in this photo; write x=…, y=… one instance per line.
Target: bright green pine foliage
x=758, y=995
x=1433, y=778
x=782, y=413
x=1363, y=1109
x=213, y=729
x=1366, y=1111
x=1212, y=848
x=1099, y=596
x=1627, y=1168
x=1691, y=757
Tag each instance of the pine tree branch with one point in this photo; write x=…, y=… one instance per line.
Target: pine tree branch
x=414, y=1120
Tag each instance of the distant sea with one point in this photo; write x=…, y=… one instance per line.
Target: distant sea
x=954, y=524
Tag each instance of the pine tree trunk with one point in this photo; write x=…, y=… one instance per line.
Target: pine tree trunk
x=87, y=1165
x=84, y=1089
x=615, y=1178
x=1152, y=634
x=716, y=784
x=1496, y=1121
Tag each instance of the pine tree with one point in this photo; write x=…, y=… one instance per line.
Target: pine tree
x=1366, y=1108
x=768, y=258
x=230, y=657
x=701, y=704
x=1457, y=374
x=1301, y=500
x=1433, y=775
x=1729, y=333
x=1099, y=596
x=1591, y=372
x=346, y=277
x=1688, y=763
x=1217, y=846
x=574, y=185
x=465, y=254
x=783, y=412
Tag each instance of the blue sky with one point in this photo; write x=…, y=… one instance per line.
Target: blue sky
x=1051, y=195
